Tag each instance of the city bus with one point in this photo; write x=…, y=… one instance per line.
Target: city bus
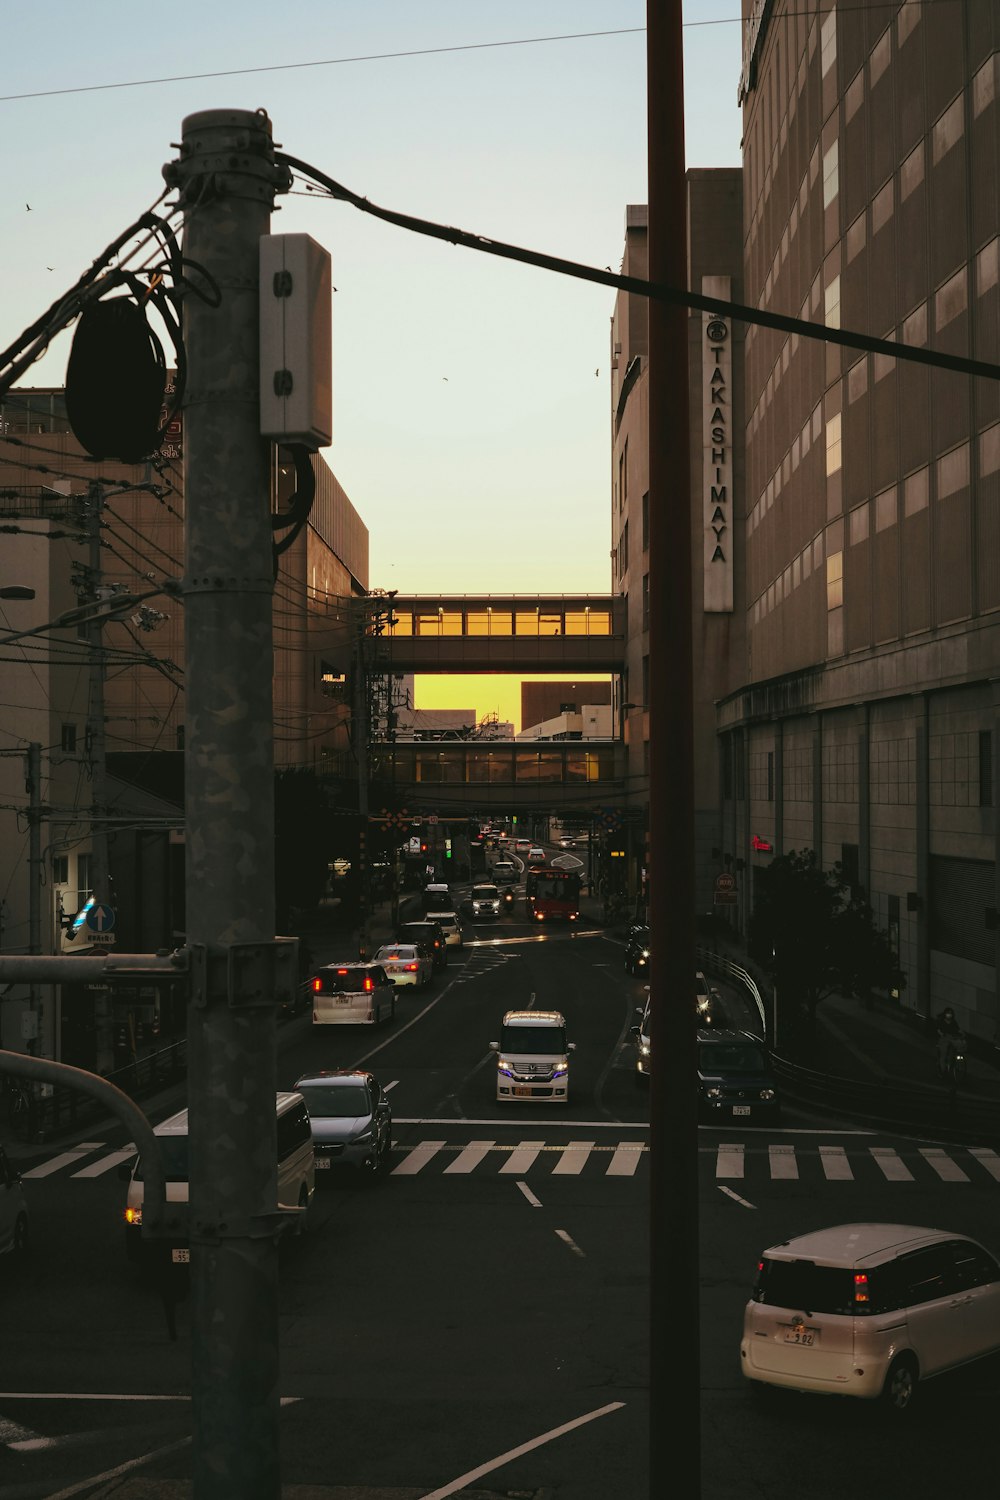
x=552, y=895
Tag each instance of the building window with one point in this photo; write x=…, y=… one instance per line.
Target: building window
x=828, y=43
x=645, y=601
x=915, y=493
x=915, y=326
x=882, y=207
x=948, y=129
x=623, y=552
x=985, y=768
x=857, y=381
x=858, y=521
x=60, y=869
x=770, y=776
x=885, y=509
x=984, y=85
x=950, y=300
x=911, y=173
x=849, y=866
x=833, y=445
x=987, y=267
x=645, y=679
x=835, y=580
x=645, y=522
x=831, y=303
x=953, y=471
x=906, y=19
x=84, y=889
x=68, y=738
x=831, y=174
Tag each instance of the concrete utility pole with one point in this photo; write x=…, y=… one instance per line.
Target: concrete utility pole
x=675, y=1404
x=33, y=780
x=360, y=711
x=227, y=178
x=100, y=879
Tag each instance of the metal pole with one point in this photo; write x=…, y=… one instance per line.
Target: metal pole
x=100, y=881
x=227, y=177
x=674, y=1322
x=34, y=787
x=361, y=755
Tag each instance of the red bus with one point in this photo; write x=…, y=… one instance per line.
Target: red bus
x=552, y=895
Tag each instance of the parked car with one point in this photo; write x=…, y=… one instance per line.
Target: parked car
x=735, y=1082
x=350, y=1118
x=13, y=1209
x=359, y=993
x=406, y=964
x=868, y=1310
x=430, y=933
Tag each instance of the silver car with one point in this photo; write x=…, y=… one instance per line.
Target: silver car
x=350, y=1118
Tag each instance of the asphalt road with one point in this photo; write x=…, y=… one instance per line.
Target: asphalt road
x=491, y=1288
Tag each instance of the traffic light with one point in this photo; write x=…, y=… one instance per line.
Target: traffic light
x=447, y=848
x=423, y=847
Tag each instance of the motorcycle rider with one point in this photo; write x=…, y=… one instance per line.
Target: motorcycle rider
x=949, y=1034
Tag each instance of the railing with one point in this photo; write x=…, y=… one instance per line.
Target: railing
x=35, y=1118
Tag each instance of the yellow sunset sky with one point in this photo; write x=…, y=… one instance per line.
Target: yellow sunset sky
x=489, y=693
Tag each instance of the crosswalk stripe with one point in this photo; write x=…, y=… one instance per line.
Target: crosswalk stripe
x=836, y=1167
x=417, y=1159
x=469, y=1158
x=729, y=1161
x=987, y=1158
x=573, y=1159
x=947, y=1170
x=64, y=1159
x=890, y=1165
x=625, y=1160
x=782, y=1160
x=522, y=1158
x=105, y=1163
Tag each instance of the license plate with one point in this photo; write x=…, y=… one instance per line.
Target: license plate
x=804, y=1337
x=180, y=1257
x=524, y=1092
x=322, y=1162
x=741, y=1109
x=343, y=999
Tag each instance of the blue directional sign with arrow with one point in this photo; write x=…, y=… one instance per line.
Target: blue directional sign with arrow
x=100, y=918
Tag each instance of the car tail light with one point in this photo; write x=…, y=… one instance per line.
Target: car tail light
x=317, y=986
x=411, y=968
x=860, y=1288
x=369, y=985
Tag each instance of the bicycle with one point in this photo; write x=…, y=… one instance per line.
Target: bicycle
x=952, y=1062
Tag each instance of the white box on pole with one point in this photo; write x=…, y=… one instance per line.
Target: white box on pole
x=296, y=341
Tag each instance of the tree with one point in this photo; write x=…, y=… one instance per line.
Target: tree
x=816, y=936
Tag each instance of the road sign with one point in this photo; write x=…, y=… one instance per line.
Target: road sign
x=100, y=918
x=725, y=889
x=101, y=939
x=432, y=818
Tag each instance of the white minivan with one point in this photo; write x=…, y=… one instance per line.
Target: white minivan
x=869, y=1309
x=296, y=1172
x=533, y=1057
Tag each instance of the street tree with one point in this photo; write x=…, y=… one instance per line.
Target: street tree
x=816, y=935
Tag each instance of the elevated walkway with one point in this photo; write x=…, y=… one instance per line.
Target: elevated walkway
x=496, y=775
x=559, y=633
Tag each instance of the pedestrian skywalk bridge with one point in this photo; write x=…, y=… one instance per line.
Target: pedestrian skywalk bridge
x=728, y=1162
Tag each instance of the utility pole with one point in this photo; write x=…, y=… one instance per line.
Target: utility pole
x=95, y=746
x=226, y=177
x=33, y=780
x=673, y=1123
x=360, y=711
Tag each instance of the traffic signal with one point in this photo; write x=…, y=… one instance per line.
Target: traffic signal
x=447, y=848
x=423, y=847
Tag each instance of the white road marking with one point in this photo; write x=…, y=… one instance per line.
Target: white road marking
x=836, y=1167
x=736, y=1197
x=567, y=1239
x=626, y=1159
x=525, y=1189
x=782, y=1160
x=464, y=1480
x=947, y=1170
x=988, y=1159
x=522, y=1157
x=105, y=1163
x=387, y=1086
x=469, y=1158
x=573, y=1159
x=729, y=1161
x=417, y=1159
x=890, y=1165
x=64, y=1159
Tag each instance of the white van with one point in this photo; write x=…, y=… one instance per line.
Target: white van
x=869, y=1309
x=296, y=1172
x=351, y=994
x=533, y=1057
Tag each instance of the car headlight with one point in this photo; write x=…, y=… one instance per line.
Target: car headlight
x=560, y=1070
x=645, y=953
x=505, y=1068
x=713, y=1093
x=767, y=1094
x=643, y=1049
x=133, y=1216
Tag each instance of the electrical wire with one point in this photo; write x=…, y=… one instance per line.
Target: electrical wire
x=640, y=288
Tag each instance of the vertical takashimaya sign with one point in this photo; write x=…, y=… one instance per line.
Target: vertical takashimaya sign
x=717, y=448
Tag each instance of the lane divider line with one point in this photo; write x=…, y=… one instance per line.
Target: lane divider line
x=567, y=1239
x=736, y=1197
x=464, y=1480
x=525, y=1189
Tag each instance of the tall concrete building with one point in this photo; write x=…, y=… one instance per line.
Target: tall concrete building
x=715, y=382
x=867, y=728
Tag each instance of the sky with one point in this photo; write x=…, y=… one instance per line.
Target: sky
x=471, y=395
